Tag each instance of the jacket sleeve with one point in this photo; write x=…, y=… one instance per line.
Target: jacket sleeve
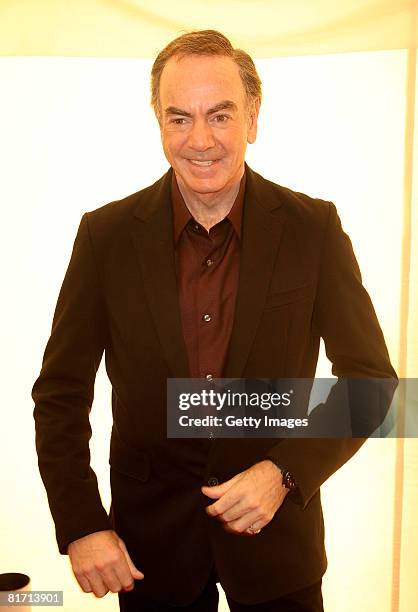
x=345, y=318
x=63, y=395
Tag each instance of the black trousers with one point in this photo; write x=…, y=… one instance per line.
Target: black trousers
x=306, y=600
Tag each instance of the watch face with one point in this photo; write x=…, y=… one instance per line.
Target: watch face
x=292, y=483
x=289, y=481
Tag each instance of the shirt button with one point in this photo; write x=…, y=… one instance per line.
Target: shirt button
x=209, y=262
x=209, y=376
x=207, y=318
x=213, y=481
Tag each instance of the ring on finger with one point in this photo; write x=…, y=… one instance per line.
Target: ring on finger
x=252, y=530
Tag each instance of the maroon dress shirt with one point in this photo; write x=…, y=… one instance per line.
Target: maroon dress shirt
x=207, y=265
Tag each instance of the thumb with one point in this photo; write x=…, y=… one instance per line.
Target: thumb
x=213, y=492
x=134, y=570
x=218, y=490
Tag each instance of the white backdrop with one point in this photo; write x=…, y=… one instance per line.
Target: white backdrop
x=77, y=133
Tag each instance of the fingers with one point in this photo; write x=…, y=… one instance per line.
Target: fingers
x=91, y=582
x=219, y=490
x=240, y=526
x=101, y=563
x=242, y=489
x=135, y=572
x=100, y=578
x=250, y=510
x=84, y=582
x=256, y=495
x=229, y=499
x=107, y=577
x=255, y=515
x=235, y=502
x=233, y=512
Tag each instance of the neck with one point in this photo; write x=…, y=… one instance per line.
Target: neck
x=209, y=208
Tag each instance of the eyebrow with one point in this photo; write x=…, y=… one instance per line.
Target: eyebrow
x=224, y=105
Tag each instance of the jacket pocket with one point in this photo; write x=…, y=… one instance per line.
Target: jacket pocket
x=130, y=462
x=276, y=299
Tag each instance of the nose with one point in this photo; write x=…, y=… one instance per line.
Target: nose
x=200, y=136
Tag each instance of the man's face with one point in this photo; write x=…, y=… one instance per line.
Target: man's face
x=205, y=123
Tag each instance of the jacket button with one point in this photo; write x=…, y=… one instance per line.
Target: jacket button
x=213, y=482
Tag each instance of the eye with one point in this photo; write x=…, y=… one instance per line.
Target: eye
x=221, y=118
x=178, y=120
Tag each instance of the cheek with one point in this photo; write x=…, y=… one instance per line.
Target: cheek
x=236, y=141
x=173, y=143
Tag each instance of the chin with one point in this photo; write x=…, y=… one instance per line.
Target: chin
x=204, y=185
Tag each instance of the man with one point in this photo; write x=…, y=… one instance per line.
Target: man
x=211, y=272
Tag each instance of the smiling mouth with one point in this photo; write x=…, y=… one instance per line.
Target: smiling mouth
x=196, y=162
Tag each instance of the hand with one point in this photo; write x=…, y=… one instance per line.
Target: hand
x=101, y=563
x=251, y=498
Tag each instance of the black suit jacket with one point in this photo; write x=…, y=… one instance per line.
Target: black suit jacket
x=299, y=280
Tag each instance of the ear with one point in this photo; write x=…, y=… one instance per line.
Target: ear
x=252, y=121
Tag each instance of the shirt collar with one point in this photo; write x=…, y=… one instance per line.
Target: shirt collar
x=182, y=214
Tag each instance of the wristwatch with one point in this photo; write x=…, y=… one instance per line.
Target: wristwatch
x=288, y=480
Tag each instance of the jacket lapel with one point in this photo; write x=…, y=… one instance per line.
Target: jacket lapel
x=263, y=223
x=153, y=239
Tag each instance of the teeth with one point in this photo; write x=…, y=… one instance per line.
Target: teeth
x=202, y=163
